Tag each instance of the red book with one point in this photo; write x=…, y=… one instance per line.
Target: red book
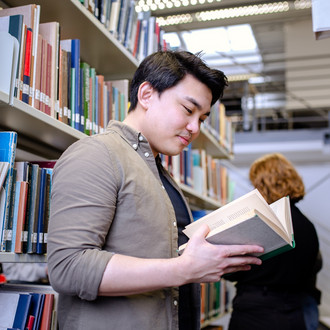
x=27, y=66
x=29, y=325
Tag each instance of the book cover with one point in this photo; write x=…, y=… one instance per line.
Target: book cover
x=50, y=32
x=46, y=317
x=75, y=82
x=33, y=208
x=20, y=223
x=86, y=96
x=37, y=90
x=31, y=21
x=27, y=66
x=8, y=303
x=250, y=220
x=9, y=226
x=8, y=64
x=13, y=24
x=37, y=302
x=8, y=142
x=22, y=311
x=41, y=212
x=43, y=75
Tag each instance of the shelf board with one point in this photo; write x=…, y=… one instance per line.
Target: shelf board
x=98, y=47
x=208, y=142
x=24, y=257
x=197, y=200
x=38, y=132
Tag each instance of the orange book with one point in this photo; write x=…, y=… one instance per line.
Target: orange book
x=21, y=216
x=47, y=312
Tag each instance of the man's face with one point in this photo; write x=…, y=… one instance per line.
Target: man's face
x=173, y=119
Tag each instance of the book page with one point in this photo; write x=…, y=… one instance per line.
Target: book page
x=282, y=210
x=234, y=210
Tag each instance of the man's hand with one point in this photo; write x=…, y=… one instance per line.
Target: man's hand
x=206, y=262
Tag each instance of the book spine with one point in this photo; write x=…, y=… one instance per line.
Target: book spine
x=27, y=66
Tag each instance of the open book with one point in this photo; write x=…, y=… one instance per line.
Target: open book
x=250, y=220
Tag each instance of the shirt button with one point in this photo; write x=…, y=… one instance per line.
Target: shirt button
x=146, y=154
x=135, y=146
x=140, y=138
x=163, y=187
x=174, y=224
x=175, y=302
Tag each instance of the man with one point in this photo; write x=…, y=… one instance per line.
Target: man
x=115, y=212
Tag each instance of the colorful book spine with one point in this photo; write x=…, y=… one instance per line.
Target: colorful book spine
x=8, y=142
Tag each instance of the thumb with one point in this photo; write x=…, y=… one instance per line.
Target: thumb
x=201, y=232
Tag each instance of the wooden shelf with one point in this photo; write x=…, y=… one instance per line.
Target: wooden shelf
x=208, y=142
x=24, y=257
x=37, y=132
x=98, y=47
x=197, y=200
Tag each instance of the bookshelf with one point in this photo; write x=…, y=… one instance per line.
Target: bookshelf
x=111, y=57
x=44, y=136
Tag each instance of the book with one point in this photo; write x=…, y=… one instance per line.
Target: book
x=50, y=32
x=8, y=142
x=46, y=317
x=22, y=311
x=37, y=303
x=31, y=15
x=33, y=209
x=4, y=166
x=27, y=66
x=250, y=220
x=8, y=303
x=20, y=220
x=8, y=64
x=13, y=24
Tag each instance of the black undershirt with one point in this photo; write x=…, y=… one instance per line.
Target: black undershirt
x=186, y=318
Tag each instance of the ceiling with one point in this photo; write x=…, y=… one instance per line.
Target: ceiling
x=277, y=98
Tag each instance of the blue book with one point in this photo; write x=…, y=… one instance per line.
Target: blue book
x=75, y=69
x=15, y=213
x=41, y=212
x=37, y=302
x=8, y=143
x=22, y=311
x=9, y=229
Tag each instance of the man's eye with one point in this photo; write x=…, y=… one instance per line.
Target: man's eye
x=187, y=109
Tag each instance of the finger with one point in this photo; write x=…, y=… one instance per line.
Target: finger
x=202, y=231
x=240, y=250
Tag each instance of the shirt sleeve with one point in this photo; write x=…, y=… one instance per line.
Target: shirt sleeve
x=83, y=205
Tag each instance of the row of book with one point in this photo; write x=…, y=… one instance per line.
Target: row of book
x=200, y=171
x=221, y=126
x=27, y=310
x=138, y=32
x=215, y=300
x=25, y=200
x=48, y=74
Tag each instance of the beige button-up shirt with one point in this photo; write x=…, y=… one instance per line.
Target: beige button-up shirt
x=107, y=198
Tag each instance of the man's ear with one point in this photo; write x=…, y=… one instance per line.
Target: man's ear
x=144, y=94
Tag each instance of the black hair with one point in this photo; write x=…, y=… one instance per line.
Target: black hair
x=164, y=69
